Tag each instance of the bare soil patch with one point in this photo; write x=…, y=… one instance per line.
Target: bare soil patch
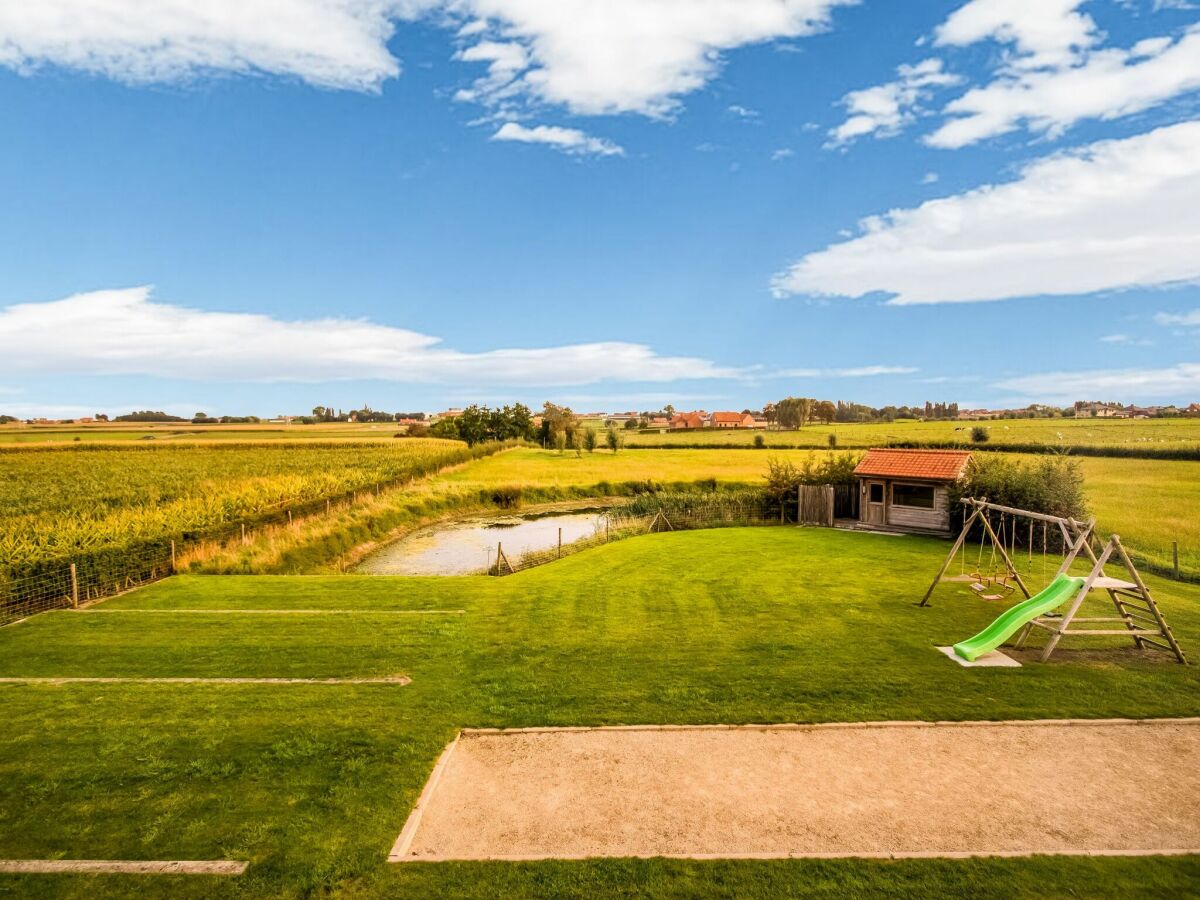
x=872, y=789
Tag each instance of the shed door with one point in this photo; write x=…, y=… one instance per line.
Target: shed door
x=874, y=503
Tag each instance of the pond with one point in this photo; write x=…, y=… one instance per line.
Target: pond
x=468, y=546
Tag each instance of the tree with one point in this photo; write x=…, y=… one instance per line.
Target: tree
x=669, y=411
x=319, y=413
x=560, y=441
x=613, y=439
x=825, y=411
x=589, y=440
x=770, y=413
x=557, y=420
x=631, y=424
x=979, y=434
x=794, y=412
x=444, y=428
x=474, y=424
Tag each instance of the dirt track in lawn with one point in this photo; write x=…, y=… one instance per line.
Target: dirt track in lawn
x=879, y=789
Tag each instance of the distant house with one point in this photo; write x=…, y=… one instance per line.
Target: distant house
x=687, y=420
x=731, y=420
x=909, y=490
x=660, y=422
x=1101, y=411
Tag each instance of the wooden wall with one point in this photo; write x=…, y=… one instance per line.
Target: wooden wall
x=936, y=519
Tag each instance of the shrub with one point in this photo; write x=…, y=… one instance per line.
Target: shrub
x=589, y=440
x=759, y=442
x=979, y=435
x=832, y=441
x=1051, y=484
x=507, y=496
x=783, y=477
x=613, y=439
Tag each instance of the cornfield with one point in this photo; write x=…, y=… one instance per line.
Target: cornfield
x=61, y=504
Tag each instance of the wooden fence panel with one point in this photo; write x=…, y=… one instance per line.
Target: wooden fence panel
x=815, y=502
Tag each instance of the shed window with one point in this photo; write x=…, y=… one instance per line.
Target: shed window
x=919, y=495
x=876, y=492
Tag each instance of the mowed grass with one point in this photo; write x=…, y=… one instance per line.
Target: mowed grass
x=1059, y=433
x=313, y=783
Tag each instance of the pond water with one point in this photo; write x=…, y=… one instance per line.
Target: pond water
x=468, y=546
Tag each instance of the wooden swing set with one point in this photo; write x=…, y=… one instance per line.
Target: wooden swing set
x=1137, y=611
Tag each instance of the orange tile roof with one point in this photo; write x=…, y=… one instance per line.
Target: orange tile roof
x=924, y=465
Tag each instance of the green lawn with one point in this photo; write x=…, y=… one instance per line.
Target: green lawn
x=312, y=783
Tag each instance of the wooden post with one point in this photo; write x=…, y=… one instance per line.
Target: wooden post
x=243, y=532
x=1175, y=558
x=560, y=543
x=326, y=506
x=172, y=557
x=606, y=522
x=289, y=517
x=74, y=588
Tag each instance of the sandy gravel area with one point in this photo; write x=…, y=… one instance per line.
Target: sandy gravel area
x=881, y=789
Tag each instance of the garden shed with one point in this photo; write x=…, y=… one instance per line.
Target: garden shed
x=908, y=490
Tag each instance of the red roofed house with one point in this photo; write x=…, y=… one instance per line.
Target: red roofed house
x=688, y=420
x=731, y=420
x=909, y=490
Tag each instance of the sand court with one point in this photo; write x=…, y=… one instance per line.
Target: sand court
x=871, y=789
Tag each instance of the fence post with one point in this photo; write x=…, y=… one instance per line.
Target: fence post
x=1175, y=558
x=74, y=588
x=172, y=557
x=243, y=532
x=326, y=506
x=289, y=517
x=606, y=521
x=560, y=543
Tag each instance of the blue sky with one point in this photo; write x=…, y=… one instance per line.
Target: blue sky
x=268, y=204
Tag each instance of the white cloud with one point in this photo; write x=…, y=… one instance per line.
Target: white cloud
x=1044, y=32
x=859, y=372
x=1124, y=340
x=1106, y=84
x=568, y=140
x=331, y=43
x=782, y=153
x=124, y=332
x=930, y=178
x=1174, y=382
x=630, y=55
x=1191, y=318
x=1113, y=214
x=742, y=112
x=884, y=109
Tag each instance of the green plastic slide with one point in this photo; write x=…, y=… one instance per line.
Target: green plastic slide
x=1054, y=595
